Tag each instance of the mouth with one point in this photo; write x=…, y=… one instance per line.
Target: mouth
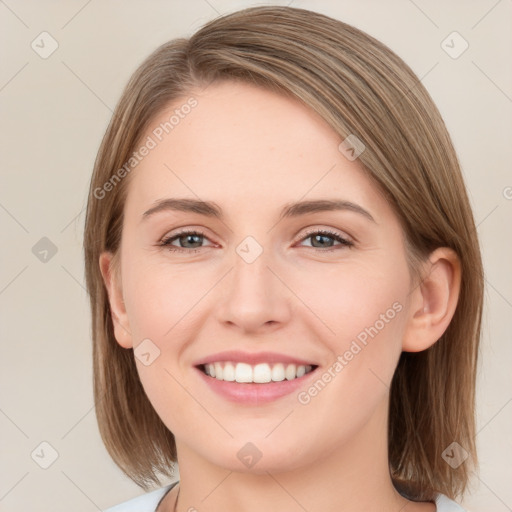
x=254, y=378
x=261, y=373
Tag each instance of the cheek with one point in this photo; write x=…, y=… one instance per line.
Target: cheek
x=351, y=301
x=159, y=297
x=362, y=313
x=369, y=322
x=339, y=304
x=162, y=303
x=168, y=303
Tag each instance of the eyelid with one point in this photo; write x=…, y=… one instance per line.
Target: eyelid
x=342, y=238
x=327, y=230
x=165, y=241
x=183, y=231
x=199, y=231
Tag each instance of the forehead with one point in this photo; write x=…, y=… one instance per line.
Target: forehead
x=240, y=140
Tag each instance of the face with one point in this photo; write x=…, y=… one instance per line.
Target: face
x=255, y=287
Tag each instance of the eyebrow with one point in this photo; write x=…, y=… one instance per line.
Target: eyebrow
x=210, y=209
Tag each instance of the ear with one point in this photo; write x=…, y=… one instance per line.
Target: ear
x=112, y=278
x=433, y=301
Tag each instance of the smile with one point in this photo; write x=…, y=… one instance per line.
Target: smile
x=258, y=373
x=255, y=378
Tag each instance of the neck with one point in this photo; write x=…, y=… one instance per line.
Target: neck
x=352, y=477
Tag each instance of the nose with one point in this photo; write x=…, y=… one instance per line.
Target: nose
x=253, y=298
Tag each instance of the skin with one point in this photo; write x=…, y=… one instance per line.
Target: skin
x=251, y=152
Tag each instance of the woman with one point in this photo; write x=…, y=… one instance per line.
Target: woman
x=284, y=272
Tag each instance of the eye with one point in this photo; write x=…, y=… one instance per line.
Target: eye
x=192, y=240
x=324, y=240
x=187, y=241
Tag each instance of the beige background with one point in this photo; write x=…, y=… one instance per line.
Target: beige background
x=54, y=112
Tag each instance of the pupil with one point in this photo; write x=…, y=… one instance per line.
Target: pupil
x=321, y=239
x=190, y=238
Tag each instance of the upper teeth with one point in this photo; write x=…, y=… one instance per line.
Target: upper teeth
x=259, y=373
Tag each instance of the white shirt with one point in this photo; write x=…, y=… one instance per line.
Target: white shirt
x=148, y=502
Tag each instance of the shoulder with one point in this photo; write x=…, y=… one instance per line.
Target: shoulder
x=445, y=504
x=145, y=503
x=149, y=501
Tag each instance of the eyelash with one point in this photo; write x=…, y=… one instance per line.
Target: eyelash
x=166, y=242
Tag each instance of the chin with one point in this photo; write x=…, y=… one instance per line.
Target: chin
x=261, y=457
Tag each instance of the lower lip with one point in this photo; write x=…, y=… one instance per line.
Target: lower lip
x=253, y=393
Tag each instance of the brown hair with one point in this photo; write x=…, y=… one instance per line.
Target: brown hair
x=359, y=86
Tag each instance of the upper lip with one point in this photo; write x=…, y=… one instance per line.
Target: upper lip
x=238, y=356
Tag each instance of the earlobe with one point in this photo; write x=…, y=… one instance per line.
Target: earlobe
x=111, y=278
x=433, y=301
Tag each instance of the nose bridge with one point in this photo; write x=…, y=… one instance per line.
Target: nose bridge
x=253, y=297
